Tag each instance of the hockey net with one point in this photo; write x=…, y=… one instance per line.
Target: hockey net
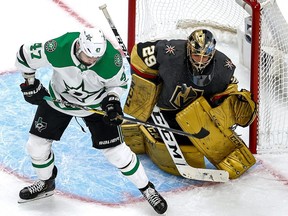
x=264, y=39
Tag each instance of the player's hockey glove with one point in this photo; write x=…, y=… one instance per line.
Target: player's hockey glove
x=111, y=105
x=34, y=93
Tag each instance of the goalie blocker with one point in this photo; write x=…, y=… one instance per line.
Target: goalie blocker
x=222, y=147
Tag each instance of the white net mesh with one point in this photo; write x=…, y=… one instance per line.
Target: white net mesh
x=161, y=18
x=273, y=87
x=177, y=18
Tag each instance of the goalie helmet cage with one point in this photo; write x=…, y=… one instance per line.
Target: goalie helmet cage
x=268, y=39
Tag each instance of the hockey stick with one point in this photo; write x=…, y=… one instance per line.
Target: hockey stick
x=175, y=152
x=115, y=31
x=167, y=135
x=173, y=148
x=201, y=134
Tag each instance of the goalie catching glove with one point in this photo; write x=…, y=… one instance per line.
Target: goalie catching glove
x=111, y=105
x=34, y=93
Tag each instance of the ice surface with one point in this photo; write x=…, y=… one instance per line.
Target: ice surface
x=87, y=184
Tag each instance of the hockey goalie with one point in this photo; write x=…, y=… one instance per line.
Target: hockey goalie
x=194, y=86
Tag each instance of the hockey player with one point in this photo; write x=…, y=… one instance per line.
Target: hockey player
x=193, y=84
x=88, y=71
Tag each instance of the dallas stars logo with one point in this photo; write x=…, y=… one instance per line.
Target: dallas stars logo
x=118, y=60
x=82, y=67
x=40, y=125
x=229, y=64
x=79, y=93
x=170, y=49
x=88, y=37
x=50, y=45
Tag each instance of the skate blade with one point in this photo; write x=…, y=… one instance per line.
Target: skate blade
x=40, y=196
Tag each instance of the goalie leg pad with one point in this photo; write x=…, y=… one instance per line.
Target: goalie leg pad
x=221, y=142
x=133, y=137
x=157, y=151
x=147, y=140
x=141, y=98
x=237, y=162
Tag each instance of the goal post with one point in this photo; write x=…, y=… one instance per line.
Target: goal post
x=263, y=50
x=254, y=69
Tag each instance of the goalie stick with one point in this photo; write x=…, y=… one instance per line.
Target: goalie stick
x=175, y=152
x=173, y=148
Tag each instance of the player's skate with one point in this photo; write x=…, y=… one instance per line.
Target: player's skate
x=39, y=189
x=154, y=198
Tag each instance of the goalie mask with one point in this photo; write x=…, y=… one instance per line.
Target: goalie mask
x=92, y=42
x=200, y=50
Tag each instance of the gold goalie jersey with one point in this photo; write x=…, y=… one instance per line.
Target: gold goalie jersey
x=162, y=76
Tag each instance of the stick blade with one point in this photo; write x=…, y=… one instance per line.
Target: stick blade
x=203, y=174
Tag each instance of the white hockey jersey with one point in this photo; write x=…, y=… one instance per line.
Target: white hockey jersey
x=71, y=80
